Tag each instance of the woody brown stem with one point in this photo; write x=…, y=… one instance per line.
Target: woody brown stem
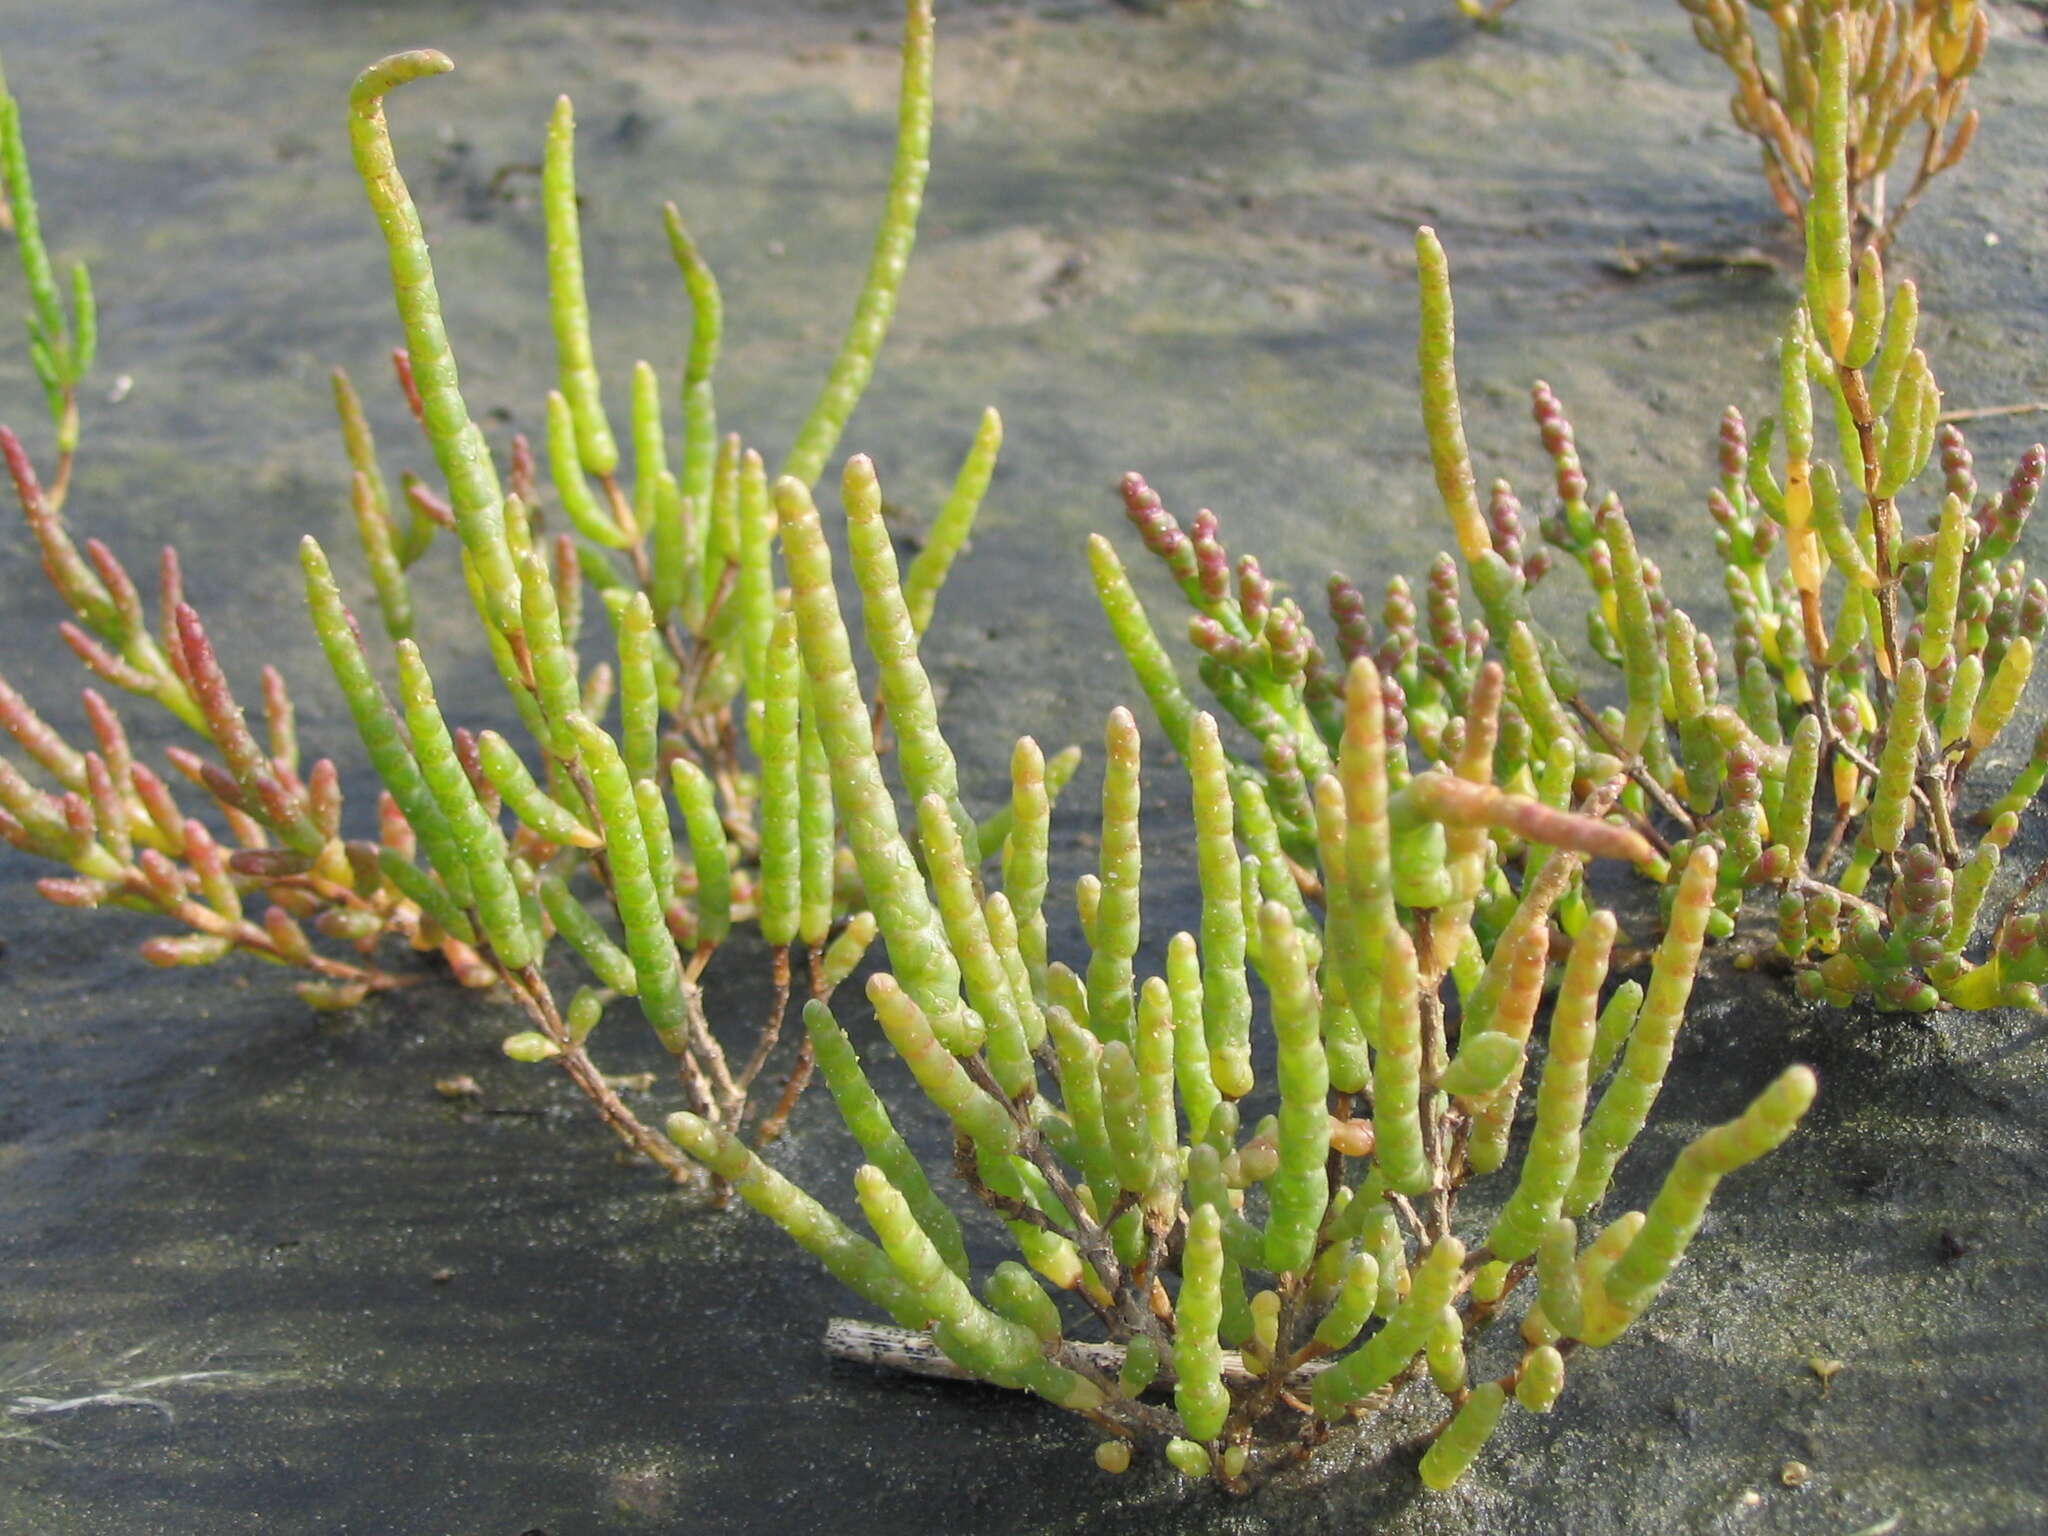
x=531, y=991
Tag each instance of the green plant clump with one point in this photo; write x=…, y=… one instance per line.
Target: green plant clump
x=1217, y=1271
x=1281, y=1276
x=1868, y=671
x=708, y=804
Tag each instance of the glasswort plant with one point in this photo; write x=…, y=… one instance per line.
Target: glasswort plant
x=1871, y=668
x=709, y=803
x=1254, y=1286
x=1909, y=64
x=1218, y=1271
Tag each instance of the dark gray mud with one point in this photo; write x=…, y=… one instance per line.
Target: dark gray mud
x=1174, y=244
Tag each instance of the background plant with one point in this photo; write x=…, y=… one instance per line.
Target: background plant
x=1107, y=1118
x=1871, y=669
x=1909, y=64
x=711, y=730
x=1486, y=13
x=61, y=339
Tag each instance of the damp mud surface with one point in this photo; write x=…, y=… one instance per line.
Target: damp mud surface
x=302, y=1292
